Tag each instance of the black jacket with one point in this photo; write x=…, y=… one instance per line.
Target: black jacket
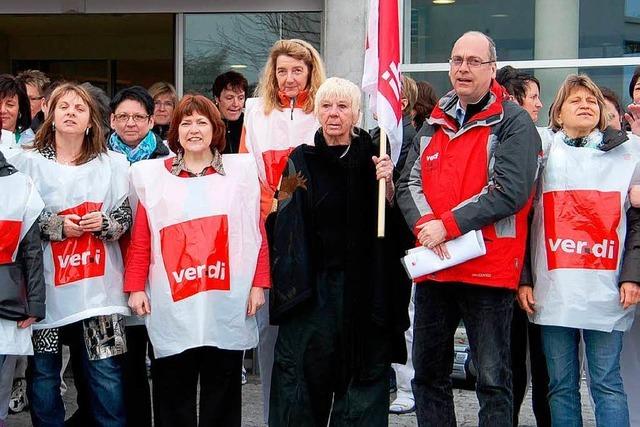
x=233, y=134
x=371, y=296
x=22, y=287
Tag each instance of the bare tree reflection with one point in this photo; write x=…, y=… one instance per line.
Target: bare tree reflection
x=248, y=44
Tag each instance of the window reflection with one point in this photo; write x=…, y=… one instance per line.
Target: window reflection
x=215, y=43
x=565, y=29
x=615, y=78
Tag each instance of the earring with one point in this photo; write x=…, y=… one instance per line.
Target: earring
x=86, y=132
x=53, y=126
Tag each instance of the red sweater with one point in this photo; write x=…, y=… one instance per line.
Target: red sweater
x=138, y=256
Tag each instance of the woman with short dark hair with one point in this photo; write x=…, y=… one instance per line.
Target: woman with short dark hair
x=197, y=266
x=15, y=110
x=229, y=93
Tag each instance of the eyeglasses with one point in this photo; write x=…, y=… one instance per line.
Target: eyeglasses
x=472, y=62
x=36, y=98
x=166, y=104
x=137, y=118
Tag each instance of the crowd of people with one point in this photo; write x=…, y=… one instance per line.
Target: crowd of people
x=149, y=231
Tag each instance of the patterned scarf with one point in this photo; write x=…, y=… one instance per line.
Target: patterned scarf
x=593, y=140
x=142, y=151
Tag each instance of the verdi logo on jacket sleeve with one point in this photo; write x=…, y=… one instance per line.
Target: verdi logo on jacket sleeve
x=196, y=256
x=580, y=228
x=81, y=257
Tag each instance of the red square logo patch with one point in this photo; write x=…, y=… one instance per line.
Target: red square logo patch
x=10, y=232
x=580, y=229
x=274, y=163
x=81, y=257
x=196, y=256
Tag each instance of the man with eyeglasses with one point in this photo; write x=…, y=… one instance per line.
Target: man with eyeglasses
x=472, y=167
x=36, y=83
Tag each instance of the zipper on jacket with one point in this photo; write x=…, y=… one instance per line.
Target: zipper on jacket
x=293, y=103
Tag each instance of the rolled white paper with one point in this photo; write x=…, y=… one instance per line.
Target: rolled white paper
x=421, y=261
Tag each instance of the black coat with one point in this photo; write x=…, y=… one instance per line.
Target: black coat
x=22, y=287
x=371, y=294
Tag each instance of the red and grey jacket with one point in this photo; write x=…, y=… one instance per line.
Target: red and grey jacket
x=478, y=176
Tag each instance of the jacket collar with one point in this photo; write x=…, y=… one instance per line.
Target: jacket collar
x=612, y=138
x=300, y=100
x=444, y=114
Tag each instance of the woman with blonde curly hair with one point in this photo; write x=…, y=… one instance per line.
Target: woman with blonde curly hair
x=277, y=121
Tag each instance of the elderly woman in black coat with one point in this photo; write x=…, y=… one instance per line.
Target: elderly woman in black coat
x=337, y=317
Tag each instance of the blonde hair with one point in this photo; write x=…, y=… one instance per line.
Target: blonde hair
x=337, y=88
x=94, y=142
x=572, y=82
x=162, y=88
x=409, y=92
x=267, y=88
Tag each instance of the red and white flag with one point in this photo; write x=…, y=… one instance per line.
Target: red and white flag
x=381, y=77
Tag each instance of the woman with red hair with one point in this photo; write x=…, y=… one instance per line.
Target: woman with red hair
x=198, y=240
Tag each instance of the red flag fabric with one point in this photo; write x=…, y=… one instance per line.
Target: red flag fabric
x=381, y=77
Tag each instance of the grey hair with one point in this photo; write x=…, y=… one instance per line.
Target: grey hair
x=335, y=87
x=493, y=56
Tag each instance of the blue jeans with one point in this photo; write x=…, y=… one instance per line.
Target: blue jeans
x=102, y=381
x=486, y=313
x=603, y=361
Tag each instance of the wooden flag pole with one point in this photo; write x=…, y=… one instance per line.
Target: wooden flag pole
x=382, y=187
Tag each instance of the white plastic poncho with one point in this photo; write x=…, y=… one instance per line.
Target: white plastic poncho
x=271, y=138
x=205, y=240
x=20, y=206
x=578, y=235
x=84, y=274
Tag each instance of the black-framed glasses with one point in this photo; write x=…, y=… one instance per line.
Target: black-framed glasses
x=137, y=118
x=472, y=62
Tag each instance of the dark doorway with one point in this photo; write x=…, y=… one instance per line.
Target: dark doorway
x=110, y=51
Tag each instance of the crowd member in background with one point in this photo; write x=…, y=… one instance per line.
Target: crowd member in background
x=86, y=211
x=15, y=111
x=102, y=102
x=425, y=103
x=229, y=93
x=525, y=336
x=331, y=298
x=131, y=120
x=202, y=289
x=22, y=288
x=280, y=119
x=36, y=83
x=587, y=171
x=403, y=240
x=484, y=182
x=165, y=99
x=613, y=110
x=630, y=357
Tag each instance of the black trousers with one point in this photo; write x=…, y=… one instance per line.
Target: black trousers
x=175, y=384
x=522, y=331
x=311, y=385
x=137, y=392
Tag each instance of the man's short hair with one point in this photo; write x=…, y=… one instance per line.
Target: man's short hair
x=36, y=78
x=133, y=93
x=493, y=56
x=232, y=79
